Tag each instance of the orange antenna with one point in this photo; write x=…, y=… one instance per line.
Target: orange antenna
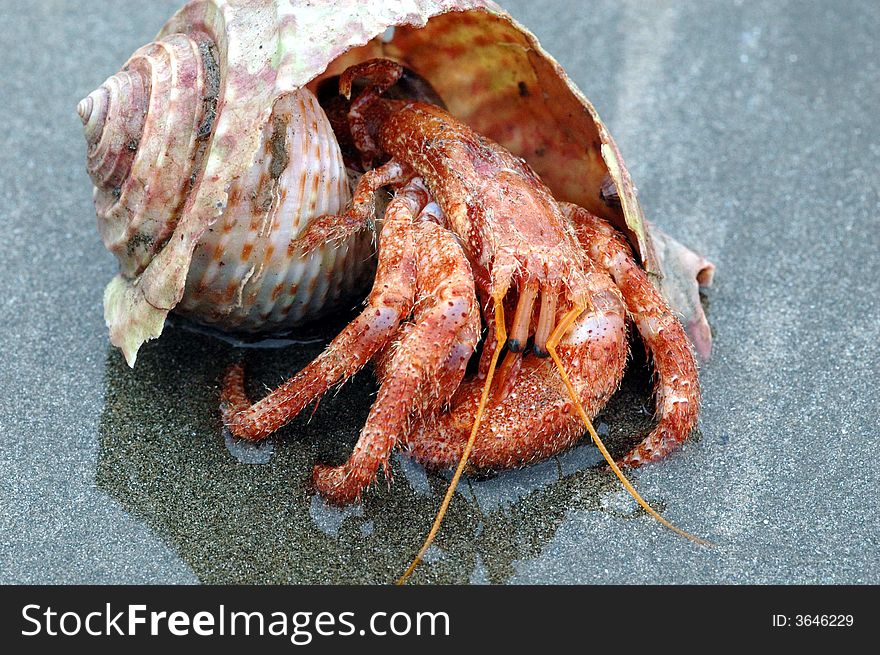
x=560, y=331
x=501, y=338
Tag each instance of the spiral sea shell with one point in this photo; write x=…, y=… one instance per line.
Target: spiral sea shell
x=209, y=151
x=206, y=162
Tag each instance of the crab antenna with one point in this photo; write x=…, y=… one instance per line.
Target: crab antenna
x=501, y=338
x=563, y=327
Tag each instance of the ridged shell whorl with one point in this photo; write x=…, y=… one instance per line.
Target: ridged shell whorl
x=208, y=159
x=143, y=128
x=245, y=274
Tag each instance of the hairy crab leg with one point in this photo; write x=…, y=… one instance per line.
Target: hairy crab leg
x=677, y=389
x=383, y=74
x=332, y=228
x=445, y=323
x=389, y=302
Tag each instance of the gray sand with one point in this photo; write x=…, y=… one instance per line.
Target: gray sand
x=751, y=131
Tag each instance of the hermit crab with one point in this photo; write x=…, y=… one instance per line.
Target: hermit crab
x=249, y=162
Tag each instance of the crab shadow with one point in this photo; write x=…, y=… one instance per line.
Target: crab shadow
x=243, y=513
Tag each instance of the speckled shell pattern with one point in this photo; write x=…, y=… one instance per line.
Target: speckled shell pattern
x=246, y=274
x=209, y=152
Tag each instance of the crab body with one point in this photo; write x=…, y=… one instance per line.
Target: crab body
x=470, y=220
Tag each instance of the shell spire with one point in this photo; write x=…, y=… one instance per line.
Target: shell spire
x=84, y=109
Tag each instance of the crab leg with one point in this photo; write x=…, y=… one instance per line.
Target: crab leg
x=468, y=445
x=389, y=302
x=427, y=361
x=359, y=215
x=677, y=389
x=383, y=74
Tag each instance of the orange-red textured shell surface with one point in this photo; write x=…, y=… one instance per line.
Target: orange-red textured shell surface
x=209, y=152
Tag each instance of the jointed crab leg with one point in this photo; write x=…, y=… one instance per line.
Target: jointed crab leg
x=428, y=359
x=428, y=355
x=359, y=215
x=501, y=338
x=383, y=74
x=389, y=302
x=677, y=389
